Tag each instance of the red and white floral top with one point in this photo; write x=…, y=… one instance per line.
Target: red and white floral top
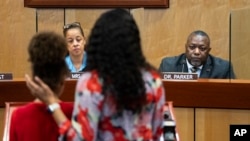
x=94, y=117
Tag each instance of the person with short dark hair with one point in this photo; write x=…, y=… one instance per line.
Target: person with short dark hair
x=120, y=96
x=197, y=59
x=33, y=122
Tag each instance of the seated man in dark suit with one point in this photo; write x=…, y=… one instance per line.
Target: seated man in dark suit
x=197, y=59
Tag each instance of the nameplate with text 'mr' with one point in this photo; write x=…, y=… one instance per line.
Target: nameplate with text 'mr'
x=75, y=75
x=6, y=76
x=179, y=76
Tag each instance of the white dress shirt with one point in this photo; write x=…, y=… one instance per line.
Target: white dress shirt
x=191, y=66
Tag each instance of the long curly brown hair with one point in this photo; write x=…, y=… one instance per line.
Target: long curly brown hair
x=114, y=50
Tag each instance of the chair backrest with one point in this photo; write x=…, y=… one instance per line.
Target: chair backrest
x=9, y=108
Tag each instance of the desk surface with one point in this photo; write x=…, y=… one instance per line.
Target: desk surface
x=203, y=93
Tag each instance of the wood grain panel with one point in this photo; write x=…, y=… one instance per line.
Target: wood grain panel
x=86, y=17
x=50, y=19
x=213, y=124
x=209, y=93
x=17, y=91
x=204, y=93
x=2, y=114
x=240, y=33
x=17, y=26
x=185, y=123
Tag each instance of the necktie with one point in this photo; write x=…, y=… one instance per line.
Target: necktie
x=194, y=69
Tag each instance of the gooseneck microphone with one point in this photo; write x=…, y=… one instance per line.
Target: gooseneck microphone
x=183, y=65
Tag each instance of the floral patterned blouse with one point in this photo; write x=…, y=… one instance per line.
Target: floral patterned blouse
x=94, y=117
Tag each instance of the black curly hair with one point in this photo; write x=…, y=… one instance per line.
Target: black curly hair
x=114, y=50
x=46, y=54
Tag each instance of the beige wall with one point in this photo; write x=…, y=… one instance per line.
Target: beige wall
x=163, y=31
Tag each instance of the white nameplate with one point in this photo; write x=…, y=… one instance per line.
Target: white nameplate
x=75, y=75
x=179, y=76
x=6, y=76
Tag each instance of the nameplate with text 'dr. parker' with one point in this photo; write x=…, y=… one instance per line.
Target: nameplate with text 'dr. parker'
x=6, y=76
x=179, y=76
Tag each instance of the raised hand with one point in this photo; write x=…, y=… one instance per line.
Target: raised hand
x=40, y=90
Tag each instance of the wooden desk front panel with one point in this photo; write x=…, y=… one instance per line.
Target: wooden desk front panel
x=214, y=124
x=204, y=93
x=16, y=90
x=215, y=103
x=185, y=123
x=2, y=114
x=209, y=93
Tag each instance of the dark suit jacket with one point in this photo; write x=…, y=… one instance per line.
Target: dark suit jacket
x=213, y=68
